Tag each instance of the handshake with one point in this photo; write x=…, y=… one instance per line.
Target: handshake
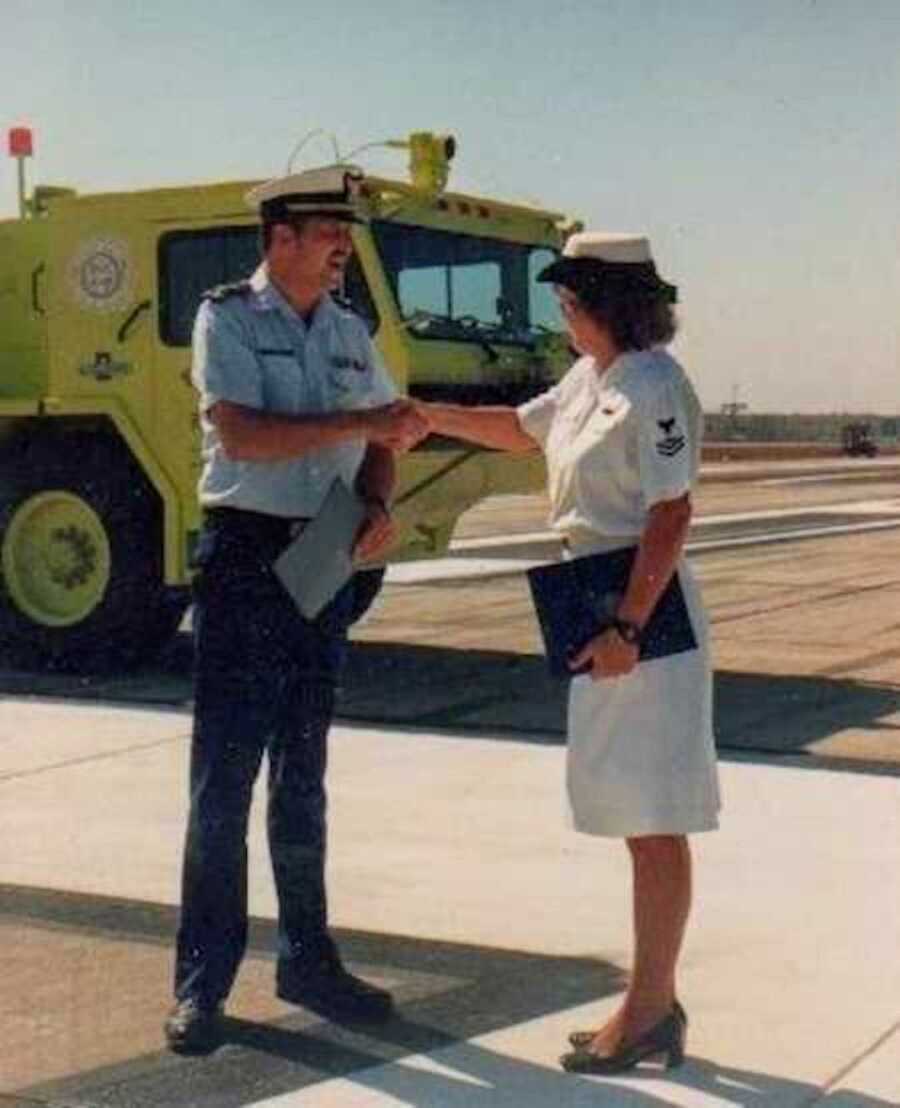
x=399, y=426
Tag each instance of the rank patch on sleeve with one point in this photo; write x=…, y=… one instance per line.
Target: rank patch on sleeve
x=672, y=442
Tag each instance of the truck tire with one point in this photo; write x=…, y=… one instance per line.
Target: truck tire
x=81, y=558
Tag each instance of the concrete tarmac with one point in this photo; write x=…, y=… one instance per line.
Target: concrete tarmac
x=454, y=880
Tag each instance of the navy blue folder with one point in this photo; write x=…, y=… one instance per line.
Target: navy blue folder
x=575, y=600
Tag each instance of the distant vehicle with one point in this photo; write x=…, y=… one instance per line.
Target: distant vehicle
x=99, y=446
x=857, y=441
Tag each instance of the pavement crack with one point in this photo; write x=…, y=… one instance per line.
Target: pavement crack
x=863, y=662
x=818, y=598
x=18, y=775
x=855, y=1062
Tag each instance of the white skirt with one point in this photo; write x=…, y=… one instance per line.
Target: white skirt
x=641, y=753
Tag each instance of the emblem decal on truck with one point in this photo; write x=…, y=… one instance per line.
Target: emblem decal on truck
x=100, y=275
x=104, y=367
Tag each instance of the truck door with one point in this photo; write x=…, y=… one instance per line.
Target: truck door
x=188, y=261
x=97, y=301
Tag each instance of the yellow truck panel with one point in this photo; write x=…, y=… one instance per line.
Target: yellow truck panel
x=99, y=446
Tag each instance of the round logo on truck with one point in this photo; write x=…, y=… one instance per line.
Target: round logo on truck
x=100, y=275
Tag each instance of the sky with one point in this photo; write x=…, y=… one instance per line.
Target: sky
x=757, y=142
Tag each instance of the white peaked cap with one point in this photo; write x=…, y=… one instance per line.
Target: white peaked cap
x=613, y=248
x=331, y=190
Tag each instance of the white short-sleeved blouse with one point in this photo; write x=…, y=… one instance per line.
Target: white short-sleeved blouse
x=617, y=442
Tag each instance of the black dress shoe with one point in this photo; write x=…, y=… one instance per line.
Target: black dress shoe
x=193, y=1028
x=581, y=1040
x=326, y=988
x=666, y=1038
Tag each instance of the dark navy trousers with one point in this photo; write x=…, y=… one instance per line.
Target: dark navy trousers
x=265, y=682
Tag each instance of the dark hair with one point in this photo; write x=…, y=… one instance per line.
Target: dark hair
x=297, y=223
x=635, y=318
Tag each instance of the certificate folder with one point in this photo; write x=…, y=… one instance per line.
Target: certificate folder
x=319, y=562
x=577, y=599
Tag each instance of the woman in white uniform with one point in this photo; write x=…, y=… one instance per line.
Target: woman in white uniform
x=621, y=434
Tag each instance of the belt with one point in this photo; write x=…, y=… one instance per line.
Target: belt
x=257, y=524
x=582, y=538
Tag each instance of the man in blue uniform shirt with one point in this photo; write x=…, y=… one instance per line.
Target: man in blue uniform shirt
x=292, y=395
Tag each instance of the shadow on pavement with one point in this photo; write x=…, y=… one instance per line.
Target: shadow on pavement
x=448, y=995
x=507, y=1082
x=477, y=691
x=511, y=695
x=474, y=1076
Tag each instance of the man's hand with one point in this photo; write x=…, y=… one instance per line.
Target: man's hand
x=376, y=533
x=398, y=426
x=609, y=655
x=428, y=413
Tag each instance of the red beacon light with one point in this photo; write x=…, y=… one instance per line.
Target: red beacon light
x=21, y=142
x=21, y=146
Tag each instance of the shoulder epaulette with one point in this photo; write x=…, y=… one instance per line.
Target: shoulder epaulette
x=222, y=292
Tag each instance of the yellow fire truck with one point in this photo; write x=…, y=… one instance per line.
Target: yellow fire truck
x=99, y=448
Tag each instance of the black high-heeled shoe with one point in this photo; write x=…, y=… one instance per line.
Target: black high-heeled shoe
x=582, y=1039
x=666, y=1037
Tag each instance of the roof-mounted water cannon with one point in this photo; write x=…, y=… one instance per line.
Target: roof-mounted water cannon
x=429, y=160
x=21, y=146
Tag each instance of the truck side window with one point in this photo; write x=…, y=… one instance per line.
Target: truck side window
x=190, y=262
x=356, y=290
x=544, y=307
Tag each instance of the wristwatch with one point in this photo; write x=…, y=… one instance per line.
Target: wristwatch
x=629, y=631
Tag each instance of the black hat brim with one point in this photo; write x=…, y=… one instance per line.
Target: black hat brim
x=276, y=211
x=592, y=274
x=561, y=272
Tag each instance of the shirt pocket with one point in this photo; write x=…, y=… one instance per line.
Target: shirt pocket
x=351, y=382
x=591, y=423
x=603, y=425
x=281, y=375
x=568, y=421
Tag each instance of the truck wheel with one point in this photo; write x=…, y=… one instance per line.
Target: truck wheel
x=81, y=587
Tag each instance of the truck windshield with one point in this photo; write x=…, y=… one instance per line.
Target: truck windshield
x=466, y=288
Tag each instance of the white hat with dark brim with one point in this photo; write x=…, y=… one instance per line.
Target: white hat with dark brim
x=592, y=261
x=332, y=191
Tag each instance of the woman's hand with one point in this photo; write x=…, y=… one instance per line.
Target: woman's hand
x=497, y=428
x=608, y=654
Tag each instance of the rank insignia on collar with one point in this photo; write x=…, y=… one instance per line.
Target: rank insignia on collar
x=340, y=362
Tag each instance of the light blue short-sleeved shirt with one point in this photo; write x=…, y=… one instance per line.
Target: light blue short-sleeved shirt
x=252, y=348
